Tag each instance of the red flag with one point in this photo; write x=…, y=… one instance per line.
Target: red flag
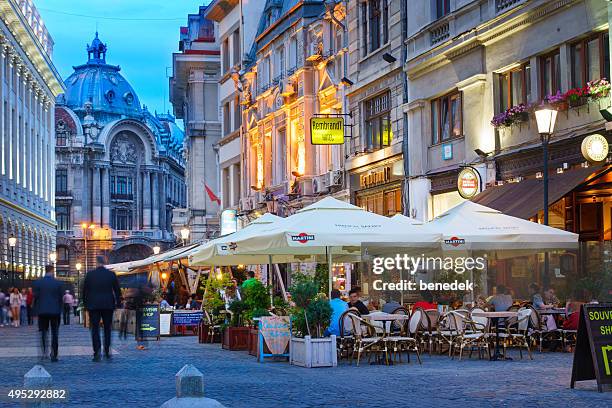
x=212, y=195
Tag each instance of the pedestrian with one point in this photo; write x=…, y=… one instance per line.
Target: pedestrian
x=23, y=310
x=29, y=300
x=101, y=295
x=75, y=306
x=3, y=311
x=48, y=306
x=68, y=300
x=15, y=302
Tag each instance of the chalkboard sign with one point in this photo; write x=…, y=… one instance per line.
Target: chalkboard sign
x=593, y=354
x=186, y=318
x=149, y=322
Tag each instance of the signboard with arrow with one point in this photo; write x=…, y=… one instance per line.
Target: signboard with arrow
x=149, y=322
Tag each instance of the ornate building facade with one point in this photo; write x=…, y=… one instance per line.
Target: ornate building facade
x=119, y=169
x=297, y=63
x=194, y=90
x=29, y=84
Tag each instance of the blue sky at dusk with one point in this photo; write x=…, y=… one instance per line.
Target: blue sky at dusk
x=141, y=37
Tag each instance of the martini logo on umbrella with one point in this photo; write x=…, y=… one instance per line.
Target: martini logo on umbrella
x=454, y=241
x=302, y=237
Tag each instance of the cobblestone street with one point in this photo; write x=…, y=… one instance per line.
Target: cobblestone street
x=137, y=378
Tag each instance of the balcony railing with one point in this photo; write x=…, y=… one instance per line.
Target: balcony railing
x=63, y=193
x=439, y=33
x=503, y=5
x=126, y=197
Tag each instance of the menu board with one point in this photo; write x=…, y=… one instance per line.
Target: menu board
x=149, y=322
x=593, y=355
x=276, y=333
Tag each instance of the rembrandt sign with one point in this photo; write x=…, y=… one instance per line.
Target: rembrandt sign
x=327, y=131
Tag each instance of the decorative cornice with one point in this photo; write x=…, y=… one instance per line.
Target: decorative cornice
x=27, y=212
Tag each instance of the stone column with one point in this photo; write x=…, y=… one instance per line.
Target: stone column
x=105, y=197
x=96, y=196
x=146, y=199
x=162, y=200
x=233, y=181
x=155, y=199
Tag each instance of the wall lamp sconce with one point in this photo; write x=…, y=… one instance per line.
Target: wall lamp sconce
x=389, y=58
x=346, y=81
x=482, y=154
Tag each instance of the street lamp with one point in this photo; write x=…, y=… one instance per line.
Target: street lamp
x=156, y=249
x=53, y=259
x=12, y=243
x=78, y=267
x=545, y=118
x=86, y=227
x=184, y=234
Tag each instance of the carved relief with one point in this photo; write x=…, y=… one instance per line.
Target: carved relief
x=123, y=150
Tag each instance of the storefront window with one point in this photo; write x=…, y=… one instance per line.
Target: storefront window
x=387, y=202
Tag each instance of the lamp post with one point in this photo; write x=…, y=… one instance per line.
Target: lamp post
x=184, y=235
x=545, y=118
x=53, y=259
x=86, y=227
x=78, y=267
x=12, y=243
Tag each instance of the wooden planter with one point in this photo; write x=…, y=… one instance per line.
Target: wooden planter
x=236, y=338
x=309, y=352
x=253, y=341
x=205, y=337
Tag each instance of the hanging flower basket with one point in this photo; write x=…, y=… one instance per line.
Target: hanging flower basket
x=511, y=116
x=598, y=89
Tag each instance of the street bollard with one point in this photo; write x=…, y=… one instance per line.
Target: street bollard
x=39, y=379
x=190, y=391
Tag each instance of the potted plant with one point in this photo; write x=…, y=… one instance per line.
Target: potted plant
x=235, y=334
x=577, y=96
x=212, y=304
x=257, y=302
x=309, y=318
x=598, y=89
x=511, y=116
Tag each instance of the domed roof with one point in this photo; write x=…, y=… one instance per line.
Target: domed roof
x=100, y=84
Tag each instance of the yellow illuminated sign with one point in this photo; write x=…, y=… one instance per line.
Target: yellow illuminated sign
x=327, y=131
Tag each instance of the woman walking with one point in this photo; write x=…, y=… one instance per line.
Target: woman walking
x=15, y=303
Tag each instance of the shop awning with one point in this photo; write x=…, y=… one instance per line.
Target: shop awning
x=524, y=199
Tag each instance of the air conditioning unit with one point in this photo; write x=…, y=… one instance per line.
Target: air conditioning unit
x=287, y=87
x=334, y=178
x=315, y=51
x=319, y=184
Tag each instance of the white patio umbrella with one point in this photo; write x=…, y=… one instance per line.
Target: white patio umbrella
x=471, y=226
x=330, y=228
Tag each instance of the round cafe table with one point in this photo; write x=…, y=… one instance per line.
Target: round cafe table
x=499, y=316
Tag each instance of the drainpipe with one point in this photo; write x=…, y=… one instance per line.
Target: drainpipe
x=405, y=144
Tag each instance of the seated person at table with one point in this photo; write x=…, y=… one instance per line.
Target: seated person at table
x=163, y=305
x=355, y=302
x=391, y=306
x=536, y=297
x=427, y=303
x=550, y=298
x=373, y=305
x=192, y=304
x=338, y=307
x=502, y=300
x=572, y=311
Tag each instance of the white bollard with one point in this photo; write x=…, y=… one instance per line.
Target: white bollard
x=39, y=379
x=190, y=391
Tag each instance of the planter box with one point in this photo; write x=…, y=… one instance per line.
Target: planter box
x=205, y=337
x=253, y=341
x=236, y=338
x=309, y=352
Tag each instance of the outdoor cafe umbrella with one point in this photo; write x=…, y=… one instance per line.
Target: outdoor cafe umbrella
x=329, y=227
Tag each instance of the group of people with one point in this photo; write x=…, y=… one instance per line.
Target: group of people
x=16, y=307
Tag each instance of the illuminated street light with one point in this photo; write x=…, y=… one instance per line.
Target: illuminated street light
x=12, y=243
x=156, y=249
x=184, y=234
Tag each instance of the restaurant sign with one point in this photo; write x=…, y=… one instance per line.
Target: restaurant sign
x=149, y=322
x=593, y=354
x=468, y=183
x=326, y=131
x=595, y=148
x=276, y=333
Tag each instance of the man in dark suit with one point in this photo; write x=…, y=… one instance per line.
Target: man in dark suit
x=48, y=293
x=101, y=294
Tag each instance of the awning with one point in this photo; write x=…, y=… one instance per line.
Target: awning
x=173, y=254
x=524, y=199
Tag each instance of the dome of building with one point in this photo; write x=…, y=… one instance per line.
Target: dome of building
x=101, y=85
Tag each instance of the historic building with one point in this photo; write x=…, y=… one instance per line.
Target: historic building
x=234, y=35
x=375, y=157
x=295, y=72
x=476, y=72
x=119, y=169
x=29, y=84
x=194, y=95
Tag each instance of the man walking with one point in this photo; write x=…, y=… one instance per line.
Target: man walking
x=68, y=301
x=101, y=294
x=48, y=305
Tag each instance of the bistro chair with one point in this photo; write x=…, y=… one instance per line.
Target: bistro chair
x=346, y=341
x=517, y=332
x=402, y=341
x=539, y=331
x=473, y=333
x=430, y=333
x=366, y=339
x=451, y=327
